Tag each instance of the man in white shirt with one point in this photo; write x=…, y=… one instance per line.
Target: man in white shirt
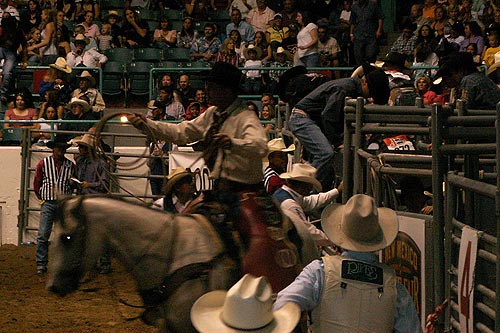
x=81, y=57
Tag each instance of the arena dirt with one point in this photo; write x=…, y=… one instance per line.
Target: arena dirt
x=27, y=307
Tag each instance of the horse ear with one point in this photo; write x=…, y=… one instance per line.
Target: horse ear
x=70, y=211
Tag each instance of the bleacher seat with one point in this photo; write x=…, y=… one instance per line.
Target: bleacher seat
x=176, y=54
x=111, y=4
x=149, y=14
x=113, y=83
x=173, y=14
x=150, y=54
x=12, y=135
x=120, y=54
x=138, y=78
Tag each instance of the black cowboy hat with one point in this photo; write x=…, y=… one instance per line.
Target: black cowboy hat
x=224, y=74
x=454, y=63
x=59, y=141
x=378, y=84
x=286, y=77
x=396, y=59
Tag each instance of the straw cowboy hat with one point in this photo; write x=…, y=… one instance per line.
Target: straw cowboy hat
x=59, y=141
x=85, y=140
x=82, y=38
x=76, y=100
x=61, y=65
x=254, y=48
x=303, y=173
x=86, y=75
x=286, y=53
x=495, y=65
x=278, y=145
x=246, y=307
x=173, y=177
x=112, y=13
x=359, y=225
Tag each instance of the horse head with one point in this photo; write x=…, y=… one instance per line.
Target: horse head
x=66, y=266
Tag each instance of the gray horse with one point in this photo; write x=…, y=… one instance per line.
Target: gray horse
x=174, y=259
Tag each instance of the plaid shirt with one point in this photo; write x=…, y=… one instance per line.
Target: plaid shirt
x=202, y=45
x=404, y=45
x=479, y=92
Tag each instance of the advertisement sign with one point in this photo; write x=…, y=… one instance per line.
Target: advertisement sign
x=195, y=163
x=406, y=256
x=466, y=267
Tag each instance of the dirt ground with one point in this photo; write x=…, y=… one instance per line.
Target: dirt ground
x=27, y=307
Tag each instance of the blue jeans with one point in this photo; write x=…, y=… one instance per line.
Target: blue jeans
x=318, y=146
x=365, y=50
x=312, y=60
x=9, y=61
x=47, y=216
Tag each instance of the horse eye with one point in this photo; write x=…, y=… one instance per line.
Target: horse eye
x=66, y=239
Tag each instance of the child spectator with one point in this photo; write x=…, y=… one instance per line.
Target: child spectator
x=253, y=78
x=472, y=49
x=283, y=58
x=493, y=47
x=193, y=110
x=104, y=38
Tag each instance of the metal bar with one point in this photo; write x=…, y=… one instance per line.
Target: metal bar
x=448, y=232
x=347, y=163
x=470, y=149
x=22, y=217
x=472, y=185
x=395, y=130
x=497, y=215
x=357, y=172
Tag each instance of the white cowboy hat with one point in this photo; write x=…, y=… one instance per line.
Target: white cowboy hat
x=61, y=65
x=278, y=145
x=88, y=76
x=246, y=307
x=255, y=48
x=85, y=140
x=359, y=225
x=173, y=177
x=82, y=38
x=281, y=50
x=303, y=173
x=76, y=100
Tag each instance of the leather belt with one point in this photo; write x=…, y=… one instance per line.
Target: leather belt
x=301, y=112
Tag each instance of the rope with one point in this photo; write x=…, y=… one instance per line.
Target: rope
x=430, y=326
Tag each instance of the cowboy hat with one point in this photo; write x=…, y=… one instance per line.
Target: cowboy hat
x=400, y=60
x=85, y=140
x=246, y=307
x=251, y=47
x=278, y=145
x=303, y=173
x=82, y=38
x=224, y=74
x=113, y=13
x=173, y=177
x=59, y=141
x=86, y=75
x=61, y=65
x=78, y=101
x=286, y=77
x=378, y=84
x=359, y=225
x=286, y=53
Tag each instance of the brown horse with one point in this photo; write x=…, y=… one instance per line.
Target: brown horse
x=174, y=259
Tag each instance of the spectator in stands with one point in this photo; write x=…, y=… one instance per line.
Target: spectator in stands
x=197, y=9
x=493, y=72
x=186, y=92
x=23, y=110
x=423, y=88
x=34, y=56
x=52, y=101
x=278, y=161
x=260, y=16
x=366, y=28
x=486, y=12
x=454, y=21
x=104, y=39
x=81, y=57
x=69, y=9
x=290, y=43
x=193, y=110
x=51, y=178
x=253, y=81
x=440, y=20
x=85, y=6
x=228, y=53
x=135, y=31
x=283, y=58
x=206, y=47
x=202, y=99
x=6, y=7
x=289, y=13
x=465, y=14
x=63, y=34
x=171, y=109
x=475, y=89
x=239, y=44
x=246, y=31
x=188, y=35
x=32, y=17
x=179, y=193
x=80, y=30
x=423, y=56
x=268, y=99
x=406, y=41
x=56, y=78
x=48, y=45
x=164, y=36
x=79, y=109
x=416, y=16
x=244, y=6
x=329, y=49
x=49, y=112
x=276, y=32
x=426, y=35
x=12, y=41
x=428, y=10
x=307, y=41
x=268, y=114
x=91, y=29
x=86, y=88
x=473, y=34
x=325, y=104
x=291, y=198
x=472, y=49
x=495, y=25
x=113, y=18
x=261, y=42
x=493, y=47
